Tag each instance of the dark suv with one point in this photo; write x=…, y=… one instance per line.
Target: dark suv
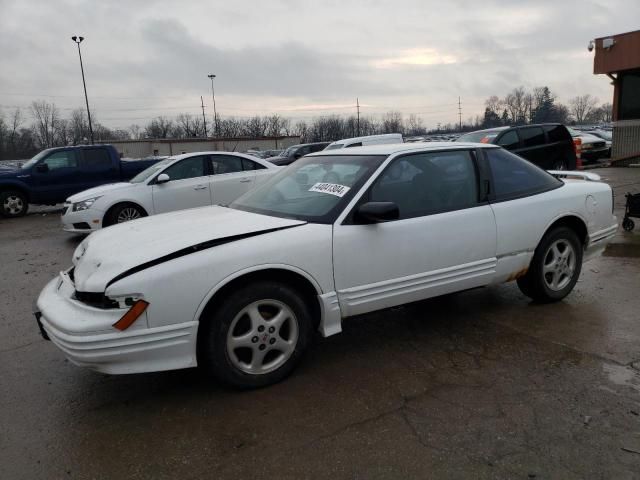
x=548, y=145
x=293, y=153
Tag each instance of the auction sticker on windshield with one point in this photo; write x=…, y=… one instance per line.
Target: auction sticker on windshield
x=330, y=188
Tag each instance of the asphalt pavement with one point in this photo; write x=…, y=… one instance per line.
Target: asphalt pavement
x=481, y=384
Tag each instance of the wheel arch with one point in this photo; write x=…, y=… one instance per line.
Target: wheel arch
x=572, y=221
x=6, y=187
x=292, y=276
x=119, y=203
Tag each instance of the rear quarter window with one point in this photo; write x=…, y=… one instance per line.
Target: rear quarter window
x=509, y=140
x=514, y=177
x=557, y=133
x=532, y=136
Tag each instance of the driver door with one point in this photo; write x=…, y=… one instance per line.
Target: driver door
x=188, y=186
x=443, y=241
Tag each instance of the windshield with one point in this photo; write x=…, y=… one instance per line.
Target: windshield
x=478, y=137
x=152, y=170
x=335, y=146
x=35, y=159
x=289, y=151
x=314, y=189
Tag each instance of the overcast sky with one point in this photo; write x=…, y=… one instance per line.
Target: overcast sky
x=300, y=58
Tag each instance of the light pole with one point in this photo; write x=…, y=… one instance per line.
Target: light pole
x=213, y=96
x=79, y=40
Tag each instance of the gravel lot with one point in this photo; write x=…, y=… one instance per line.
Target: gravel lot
x=481, y=384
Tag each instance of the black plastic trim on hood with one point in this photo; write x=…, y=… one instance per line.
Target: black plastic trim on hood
x=193, y=249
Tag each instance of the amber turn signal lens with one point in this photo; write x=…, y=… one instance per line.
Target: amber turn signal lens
x=132, y=315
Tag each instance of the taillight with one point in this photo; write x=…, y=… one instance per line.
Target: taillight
x=577, y=148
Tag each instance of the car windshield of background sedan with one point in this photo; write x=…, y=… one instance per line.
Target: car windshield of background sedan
x=152, y=170
x=313, y=189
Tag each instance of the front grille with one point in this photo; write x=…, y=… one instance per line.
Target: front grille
x=96, y=300
x=598, y=144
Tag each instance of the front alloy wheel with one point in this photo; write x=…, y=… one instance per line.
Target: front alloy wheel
x=14, y=204
x=254, y=335
x=262, y=337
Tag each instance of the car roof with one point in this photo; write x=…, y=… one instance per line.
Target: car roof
x=391, y=148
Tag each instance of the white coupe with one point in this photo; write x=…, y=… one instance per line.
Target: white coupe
x=175, y=183
x=239, y=290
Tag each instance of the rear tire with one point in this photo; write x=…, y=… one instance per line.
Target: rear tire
x=13, y=204
x=555, y=267
x=257, y=335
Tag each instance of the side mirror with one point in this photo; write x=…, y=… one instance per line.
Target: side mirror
x=162, y=178
x=42, y=168
x=377, y=212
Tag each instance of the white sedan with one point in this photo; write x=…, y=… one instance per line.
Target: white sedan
x=240, y=290
x=175, y=183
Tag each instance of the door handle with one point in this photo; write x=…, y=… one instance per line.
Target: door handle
x=245, y=180
x=200, y=187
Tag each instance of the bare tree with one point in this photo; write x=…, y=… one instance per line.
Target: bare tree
x=392, y=123
x=581, y=106
x=188, y=126
x=415, y=125
x=135, y=131
x=159, y=127
x=517, y=105
x=46, y=122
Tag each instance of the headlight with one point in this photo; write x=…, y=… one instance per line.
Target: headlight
x=84, y=205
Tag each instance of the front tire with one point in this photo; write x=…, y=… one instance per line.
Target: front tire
x=122, y=213
x=555, y=267
x=13, y=204
x=256, y=337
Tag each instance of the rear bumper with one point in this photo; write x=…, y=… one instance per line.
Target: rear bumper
x=599, y=240
x=86, y=336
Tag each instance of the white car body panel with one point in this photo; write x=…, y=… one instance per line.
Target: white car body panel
x=166, y=197
x=178, y=262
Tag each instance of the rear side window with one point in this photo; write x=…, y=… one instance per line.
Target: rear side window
x=96, y=158
x=557, y=133
x=532, y=136
x=515, y=177
x=226, y=164
x=250, y=165
x=509, y=140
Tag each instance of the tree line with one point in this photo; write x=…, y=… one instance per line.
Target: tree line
x=22, y=134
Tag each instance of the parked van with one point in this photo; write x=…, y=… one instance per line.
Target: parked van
x=363, y=141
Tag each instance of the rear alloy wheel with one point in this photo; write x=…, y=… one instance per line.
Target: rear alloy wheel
x=256, y=337
x=14, y=204
x=555, y=267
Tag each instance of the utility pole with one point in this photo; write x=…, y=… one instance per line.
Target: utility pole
x=215, y=115
x=204, y=119
x=460, y=114
x=358, y=107
x=78, y=40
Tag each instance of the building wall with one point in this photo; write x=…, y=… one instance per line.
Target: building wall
x=623, y=55
x=146, y=148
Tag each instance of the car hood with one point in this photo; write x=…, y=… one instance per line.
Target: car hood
x=8, y=170
x=116, y=251
x=100, y=191
x=588, y=138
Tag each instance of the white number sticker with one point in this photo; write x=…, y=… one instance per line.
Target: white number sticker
x=330, y=188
